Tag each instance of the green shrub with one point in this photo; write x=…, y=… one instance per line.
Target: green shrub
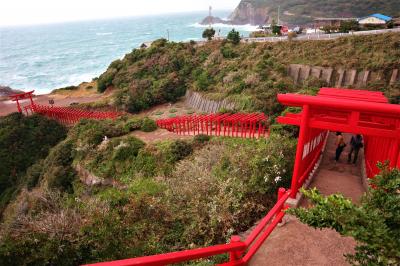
x=23, y=141
x=374, y=224
x=173, y=110
x=228, y=52
x=178, y=150
x=133, y=124
x=233, y=36
x=148, y=125
x=208, y=33
x=128, y=148
x=106, y=79
x=57, y=170
x=201, y=138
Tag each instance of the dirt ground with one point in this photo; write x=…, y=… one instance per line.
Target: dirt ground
x=297, y=244
x=158, y=135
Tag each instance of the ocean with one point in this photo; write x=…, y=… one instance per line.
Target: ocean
x=46, y=57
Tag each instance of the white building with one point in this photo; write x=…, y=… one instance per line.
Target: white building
x=374, y=19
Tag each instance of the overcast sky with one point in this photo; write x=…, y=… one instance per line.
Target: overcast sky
x=17, y=12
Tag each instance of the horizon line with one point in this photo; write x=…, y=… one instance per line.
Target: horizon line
x=105, y=18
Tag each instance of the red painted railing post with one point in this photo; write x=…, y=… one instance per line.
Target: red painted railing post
x=281, y=193
x=235, y=256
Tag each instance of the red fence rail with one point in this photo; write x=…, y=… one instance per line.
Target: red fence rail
x=242, y=125
x=68, y=115
x=240, y=252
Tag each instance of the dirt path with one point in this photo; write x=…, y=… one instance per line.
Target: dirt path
x=158, y=135
x=298, y=244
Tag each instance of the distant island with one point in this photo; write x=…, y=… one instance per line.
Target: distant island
x=260, y=12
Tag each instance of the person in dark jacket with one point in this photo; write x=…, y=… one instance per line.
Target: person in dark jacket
x=356, y=144
x=340, y=144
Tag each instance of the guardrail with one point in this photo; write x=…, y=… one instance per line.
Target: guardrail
x=240, y=252
x=317, y=36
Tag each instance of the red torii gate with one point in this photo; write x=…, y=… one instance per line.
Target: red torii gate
x=352, y=111
x=234, y=125
x=23, y=96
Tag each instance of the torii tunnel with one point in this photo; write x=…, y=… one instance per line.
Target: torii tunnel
x=352, y=111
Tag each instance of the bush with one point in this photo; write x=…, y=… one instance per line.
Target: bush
x=57, y=171
x=208, y=33
x=375, y=224
x=228, y=52
x=234, y=36
x=106, y=79
x=178, y=150
x=201, y=138
x=148, y=125
x=128, y=148
x=24, y=140
x=133, y=124
x=346, y=26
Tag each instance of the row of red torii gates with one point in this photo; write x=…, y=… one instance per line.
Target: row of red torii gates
x=352, y=111
x=64, y=115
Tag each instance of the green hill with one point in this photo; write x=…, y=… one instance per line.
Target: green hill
x=303, y=11
x=250, y=74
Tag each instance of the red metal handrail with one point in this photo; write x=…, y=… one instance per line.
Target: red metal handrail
x=236, y=248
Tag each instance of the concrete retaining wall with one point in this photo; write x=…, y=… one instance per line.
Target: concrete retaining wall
x=199, y=102
x=341, y=77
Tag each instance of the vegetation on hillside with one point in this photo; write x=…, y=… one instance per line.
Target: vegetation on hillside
x=149, y=198
x=249, y=74
x=374, y=224
x=23, y=141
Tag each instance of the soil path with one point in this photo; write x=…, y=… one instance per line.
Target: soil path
x=298, y=244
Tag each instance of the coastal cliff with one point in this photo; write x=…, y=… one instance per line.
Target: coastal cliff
x=257, y=12
x=251, y=12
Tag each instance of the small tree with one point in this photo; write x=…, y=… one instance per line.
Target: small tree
x=234, y=36
x=346, y=26
x=209, y=33
x=374, y=224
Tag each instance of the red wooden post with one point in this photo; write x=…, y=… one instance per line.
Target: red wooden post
x=299, y=152
x=281, y=192
x=235, y=256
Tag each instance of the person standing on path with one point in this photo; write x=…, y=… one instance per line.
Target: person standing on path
x=340, y=144
x=356, y=144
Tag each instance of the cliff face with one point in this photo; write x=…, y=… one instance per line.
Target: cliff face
x=248, y=12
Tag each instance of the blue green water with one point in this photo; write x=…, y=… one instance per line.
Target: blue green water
x=45, y=57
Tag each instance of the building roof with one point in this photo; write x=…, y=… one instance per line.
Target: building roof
x=334, y=19
x=379, y=16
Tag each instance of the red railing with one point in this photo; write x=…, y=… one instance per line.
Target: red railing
x=379, y=149
x=311, y=153
x=232, y=125
x=68, y=115
x=240, y=252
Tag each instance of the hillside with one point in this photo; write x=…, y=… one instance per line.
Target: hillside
x=92, y=200
x=258, y=12
x=85, y=198
x=249, y=74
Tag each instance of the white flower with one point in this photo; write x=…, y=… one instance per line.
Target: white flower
x=277, y=179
